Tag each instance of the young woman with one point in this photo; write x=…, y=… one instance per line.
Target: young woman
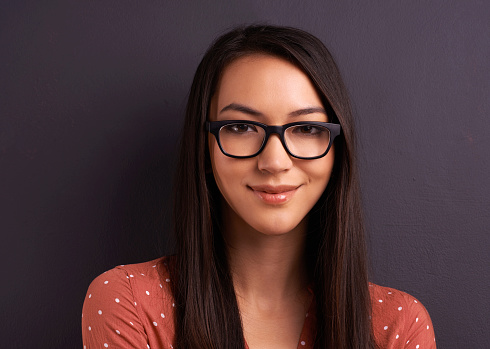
x=270, y=240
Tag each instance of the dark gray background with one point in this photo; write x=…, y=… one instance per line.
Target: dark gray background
x=92, y=95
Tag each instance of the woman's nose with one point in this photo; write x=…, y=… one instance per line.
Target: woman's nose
x=274, y=158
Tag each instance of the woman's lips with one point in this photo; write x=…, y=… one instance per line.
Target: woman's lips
x=274, y=195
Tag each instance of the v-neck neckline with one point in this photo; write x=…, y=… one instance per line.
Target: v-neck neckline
x=308, y=331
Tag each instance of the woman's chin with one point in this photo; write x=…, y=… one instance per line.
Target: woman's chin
x=281, y=228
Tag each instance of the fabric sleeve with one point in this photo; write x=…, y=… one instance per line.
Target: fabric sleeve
x=420, y=333
x=109, y=315
x=399, y=320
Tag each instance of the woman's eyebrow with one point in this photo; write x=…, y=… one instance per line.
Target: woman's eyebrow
x=306, y=111
x=241, y=108
x=247, y=110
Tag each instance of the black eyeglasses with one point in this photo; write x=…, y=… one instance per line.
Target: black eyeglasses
x=245, y=139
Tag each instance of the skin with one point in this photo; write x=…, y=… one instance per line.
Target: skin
x=265, y=236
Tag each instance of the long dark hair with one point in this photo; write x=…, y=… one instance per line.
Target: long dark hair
x=207, y=314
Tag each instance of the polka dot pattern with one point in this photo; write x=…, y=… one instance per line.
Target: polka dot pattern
x=397, y=317
x=132, y=306
x=117, y=312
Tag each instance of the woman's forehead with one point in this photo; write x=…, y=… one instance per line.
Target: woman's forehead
x=264, y=83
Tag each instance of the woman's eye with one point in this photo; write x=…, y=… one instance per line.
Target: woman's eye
x=241, y=128
x=307, y=129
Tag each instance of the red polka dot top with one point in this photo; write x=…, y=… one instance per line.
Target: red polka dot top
x=131, y=306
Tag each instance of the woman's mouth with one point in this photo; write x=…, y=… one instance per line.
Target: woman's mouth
x=274, y=195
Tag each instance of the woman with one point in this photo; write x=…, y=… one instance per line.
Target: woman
x=270, y=244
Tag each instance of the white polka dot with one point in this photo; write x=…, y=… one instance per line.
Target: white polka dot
x=303, y=343
x=390, y=292
x=90, y=295
x=131, y=276
x=385, y=328
x=417, y=320
x=127, y=277
x=84, y=347
x=134, y=303
x=381, y=301
x=173, y=305
x=142, y=274
x=161, y=286
x=400, y=308
x=100, y=312
x=131, y=323
x=397, y=336
x=167, y=280
x=155, y=323
x=162, y=315
x=148, y=293
x=154, y=266
x=408, y=341
x=106, y=282
x=417, y=346
x=106, y=345
x=117, y=331
x=148, y=346
x=415, y=301
x=117, y=300
x=90, y=328
x=427, y=326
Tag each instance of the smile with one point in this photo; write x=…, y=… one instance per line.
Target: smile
x=274, y=195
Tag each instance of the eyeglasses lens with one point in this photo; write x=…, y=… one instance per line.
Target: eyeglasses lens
x=307, y=141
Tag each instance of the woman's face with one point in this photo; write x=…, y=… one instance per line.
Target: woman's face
x=271, y=192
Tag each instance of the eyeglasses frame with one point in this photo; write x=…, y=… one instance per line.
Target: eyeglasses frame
x=215, y=126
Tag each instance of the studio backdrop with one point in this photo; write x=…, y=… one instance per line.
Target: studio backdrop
x=92, y=97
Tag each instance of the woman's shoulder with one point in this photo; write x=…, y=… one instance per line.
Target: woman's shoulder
x=146, y=272
x=148, y=276
x=130, y=304
x=400, y=319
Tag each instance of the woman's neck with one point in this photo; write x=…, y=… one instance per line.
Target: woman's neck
x=267, y=270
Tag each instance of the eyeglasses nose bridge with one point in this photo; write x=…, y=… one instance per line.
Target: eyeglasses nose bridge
x=279, y=131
